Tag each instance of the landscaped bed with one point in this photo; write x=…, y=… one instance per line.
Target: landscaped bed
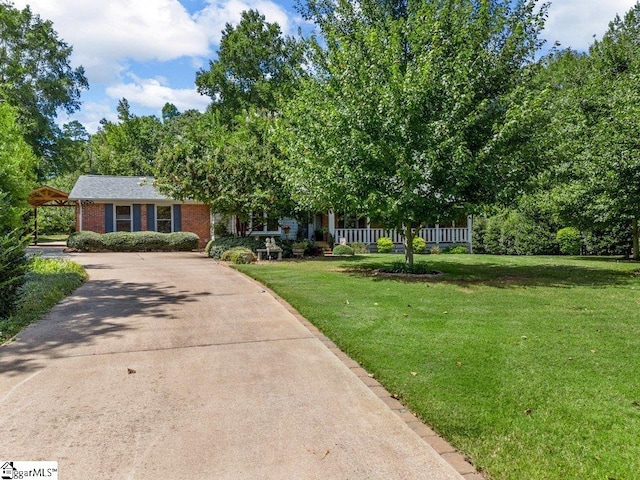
x=47, y=281
x=528, y=365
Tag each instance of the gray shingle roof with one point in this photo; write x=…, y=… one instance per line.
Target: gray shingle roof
x=109, y=188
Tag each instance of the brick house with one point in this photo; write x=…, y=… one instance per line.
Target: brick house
x=132, y=204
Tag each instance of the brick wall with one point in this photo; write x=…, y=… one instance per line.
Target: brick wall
x=196, y=219
x=92, y=217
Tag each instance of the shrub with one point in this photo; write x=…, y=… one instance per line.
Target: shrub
x=435, y=250
x=385, y=245
x=610, y=240
x=514, y=233
x=183, y=241
x=13, y=267
x=456, y=249
x=208, y=246
x=359, y=247
x=238, y=256
x=343, y=250
x=479, y=230
x=570, y=241
x=419, y=245
x=133, y=241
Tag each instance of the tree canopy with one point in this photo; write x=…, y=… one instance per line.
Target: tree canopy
x=36, y=77
x=236, y=171
x=127, y=147
x=17, y=171
x=411, y=114
x=594, y=106
x=255, y=68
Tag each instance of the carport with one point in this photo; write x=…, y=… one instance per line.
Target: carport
x=47, y=197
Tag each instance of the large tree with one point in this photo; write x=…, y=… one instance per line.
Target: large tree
x=36, y=77
x=17, y=167
x=126, y=147
x=256, y=67
x=237, y=171
x=411, y=111
x=594, y=105
x=228, y=157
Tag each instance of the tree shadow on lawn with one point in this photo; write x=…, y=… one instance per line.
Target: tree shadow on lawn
x=504, y=276
x=99, y=310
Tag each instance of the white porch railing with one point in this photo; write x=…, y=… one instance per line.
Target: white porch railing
x=433, y=236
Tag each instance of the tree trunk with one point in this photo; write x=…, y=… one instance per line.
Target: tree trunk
x=408, y=245
x=636, y=240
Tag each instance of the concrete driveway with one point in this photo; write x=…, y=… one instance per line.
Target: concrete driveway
x=172, y=366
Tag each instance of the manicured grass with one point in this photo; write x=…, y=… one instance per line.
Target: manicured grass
x=47, y=282
x=528, y=365
x=52, y=238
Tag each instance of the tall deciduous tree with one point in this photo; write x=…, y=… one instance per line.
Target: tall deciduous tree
x=17, y=171
x=255, y=68
x=595, y=105
x=410, y=115
x=36, y=77
x=127, y=147
x=236, y=171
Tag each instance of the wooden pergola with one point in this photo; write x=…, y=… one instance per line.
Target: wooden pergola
x=47, y=197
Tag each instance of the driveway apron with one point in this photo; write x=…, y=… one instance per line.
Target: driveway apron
x=168, y=365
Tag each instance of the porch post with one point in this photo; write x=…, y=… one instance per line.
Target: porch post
x=332, y=225
x=469, y=232
x=80, y=216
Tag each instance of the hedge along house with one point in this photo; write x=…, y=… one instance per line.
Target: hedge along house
x=132, y=204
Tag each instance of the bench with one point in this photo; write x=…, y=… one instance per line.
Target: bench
x=268, y=252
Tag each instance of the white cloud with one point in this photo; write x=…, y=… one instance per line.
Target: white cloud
x=90, y=115
x=105, y=35
x=217, y=13
x=153, y=93
x=573, y=23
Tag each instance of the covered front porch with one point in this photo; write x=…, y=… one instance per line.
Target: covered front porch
x=345, y=229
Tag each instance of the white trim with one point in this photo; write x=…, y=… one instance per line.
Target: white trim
x=115, y=216
x=155, y=214
x=80, y=216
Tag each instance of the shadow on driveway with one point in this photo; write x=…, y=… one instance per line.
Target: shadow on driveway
x=98, y=309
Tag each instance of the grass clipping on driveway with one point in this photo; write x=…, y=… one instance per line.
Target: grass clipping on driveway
x=527, y=365
x=48, y=281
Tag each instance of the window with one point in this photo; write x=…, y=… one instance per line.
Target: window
x=262, y=223
x=163, y=218
x=123, y=218
x=347, y=221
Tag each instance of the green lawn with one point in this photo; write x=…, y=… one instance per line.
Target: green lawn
x=48, y=281
x=52, y=238
x=528, y=365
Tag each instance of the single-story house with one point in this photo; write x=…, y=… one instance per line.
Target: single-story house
x=132, y=204
x=115, y=203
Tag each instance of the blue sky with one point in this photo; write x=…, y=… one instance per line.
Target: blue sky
x=150, y=50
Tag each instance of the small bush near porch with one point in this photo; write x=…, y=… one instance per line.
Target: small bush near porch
x=528, y=365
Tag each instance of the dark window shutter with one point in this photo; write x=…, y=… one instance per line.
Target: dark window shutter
x=137, y=217
x=177, y=218
x=151, y=217
x=108, y=217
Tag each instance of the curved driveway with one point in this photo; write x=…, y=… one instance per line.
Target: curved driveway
x=172, y=366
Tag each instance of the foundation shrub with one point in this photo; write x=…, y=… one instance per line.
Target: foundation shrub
x=133, y=241
x=419, y=245
x=385, y=245
x=343, y=250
